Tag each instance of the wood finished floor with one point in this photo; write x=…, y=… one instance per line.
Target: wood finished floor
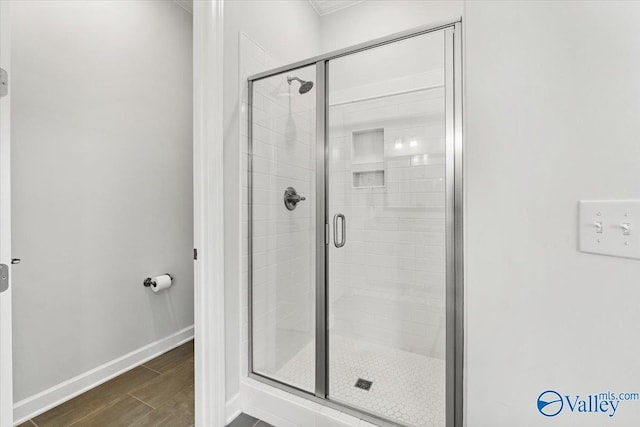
x=158, y=393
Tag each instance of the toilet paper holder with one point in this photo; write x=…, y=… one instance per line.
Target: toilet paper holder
x=148, y=282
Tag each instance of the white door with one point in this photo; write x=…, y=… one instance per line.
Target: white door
x=6, y=385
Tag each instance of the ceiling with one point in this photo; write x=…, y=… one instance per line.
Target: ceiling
x=324, y=7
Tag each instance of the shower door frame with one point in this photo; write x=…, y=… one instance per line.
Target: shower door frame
x=454, y=223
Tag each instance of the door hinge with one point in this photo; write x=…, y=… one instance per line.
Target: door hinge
x=195, y=254
x=4, y=277
x=4, y=83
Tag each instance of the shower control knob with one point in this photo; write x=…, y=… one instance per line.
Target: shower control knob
x=292, y=198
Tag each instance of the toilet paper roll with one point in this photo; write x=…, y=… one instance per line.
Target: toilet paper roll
x=161, y=282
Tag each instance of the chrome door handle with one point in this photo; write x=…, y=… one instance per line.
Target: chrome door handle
x=343, y=222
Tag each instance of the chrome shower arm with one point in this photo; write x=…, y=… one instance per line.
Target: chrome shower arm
x=292, y=78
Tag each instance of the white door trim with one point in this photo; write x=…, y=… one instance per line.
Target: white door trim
x=208, y=212
x=6, y=365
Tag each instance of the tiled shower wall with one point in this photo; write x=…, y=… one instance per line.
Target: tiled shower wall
x=387, y=284
x=283, y=241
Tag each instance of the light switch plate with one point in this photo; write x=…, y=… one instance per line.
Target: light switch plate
x=610, y=227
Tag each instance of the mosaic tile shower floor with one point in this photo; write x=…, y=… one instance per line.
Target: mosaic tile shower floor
x=407, y=387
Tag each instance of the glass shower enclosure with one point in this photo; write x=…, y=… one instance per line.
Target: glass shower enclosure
x=355, y=228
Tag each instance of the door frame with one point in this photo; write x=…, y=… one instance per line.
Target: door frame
x=6, y=354
x=454, y=222
x=208, y=195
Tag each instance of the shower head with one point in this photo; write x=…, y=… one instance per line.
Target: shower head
x=304, y=86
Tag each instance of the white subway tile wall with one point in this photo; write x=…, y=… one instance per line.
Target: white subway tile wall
x=283, y=252
x=387, y=284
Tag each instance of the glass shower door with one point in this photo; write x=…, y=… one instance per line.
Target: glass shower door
x=355, y=229
x=282, y=224
x=386, y=205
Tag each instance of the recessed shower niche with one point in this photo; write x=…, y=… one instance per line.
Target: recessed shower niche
x=353, y=295
x=367, y=164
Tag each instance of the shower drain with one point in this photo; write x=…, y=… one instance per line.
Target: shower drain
x=364, y=384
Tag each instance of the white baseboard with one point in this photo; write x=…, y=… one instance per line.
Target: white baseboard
x=60, y=393
x=233, y=408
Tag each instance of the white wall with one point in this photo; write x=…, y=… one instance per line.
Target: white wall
x=376, y=18
x=288, y=31
x=102, y=164
x=552, y=107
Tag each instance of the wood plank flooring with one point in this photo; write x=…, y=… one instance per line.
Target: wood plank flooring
x=158, y=393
